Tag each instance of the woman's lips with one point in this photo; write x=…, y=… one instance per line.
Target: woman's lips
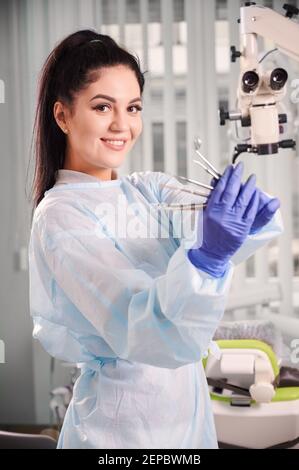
x=112, y=146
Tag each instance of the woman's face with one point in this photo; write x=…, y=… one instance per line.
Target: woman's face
x=105, y=122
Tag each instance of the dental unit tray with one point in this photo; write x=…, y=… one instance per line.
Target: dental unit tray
x=252, y=403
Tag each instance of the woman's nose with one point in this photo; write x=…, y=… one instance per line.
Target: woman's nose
x=120, y=121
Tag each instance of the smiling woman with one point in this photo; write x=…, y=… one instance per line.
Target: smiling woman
x=124, y=301
x=97, y=129
x=87, y=119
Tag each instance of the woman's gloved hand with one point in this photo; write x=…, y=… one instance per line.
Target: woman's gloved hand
x=266, y=210
x=227, y=220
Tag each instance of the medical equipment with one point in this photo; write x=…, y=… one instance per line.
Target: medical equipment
x=180, y=207
x=261, y=91
x=190, y=191
x=255, y=399
x=203, y=185
x=190, y=206
x=266, y=208
x=209, y=168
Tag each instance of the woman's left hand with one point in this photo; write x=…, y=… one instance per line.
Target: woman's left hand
x=266, y=210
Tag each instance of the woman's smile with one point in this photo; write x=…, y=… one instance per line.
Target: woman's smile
x=114, y=144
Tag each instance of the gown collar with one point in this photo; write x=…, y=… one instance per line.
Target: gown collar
x=74, y=177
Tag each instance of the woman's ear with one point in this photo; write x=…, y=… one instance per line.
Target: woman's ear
x=60, y=116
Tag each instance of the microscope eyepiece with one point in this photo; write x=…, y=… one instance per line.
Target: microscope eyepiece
x=250, y=81
x=278, y=79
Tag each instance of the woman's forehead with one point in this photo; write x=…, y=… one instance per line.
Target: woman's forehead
x=119, y=78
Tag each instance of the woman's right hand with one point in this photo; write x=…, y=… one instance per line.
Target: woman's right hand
x=227, y=220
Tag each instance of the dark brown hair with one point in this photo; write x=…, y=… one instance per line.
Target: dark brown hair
x=68, y=69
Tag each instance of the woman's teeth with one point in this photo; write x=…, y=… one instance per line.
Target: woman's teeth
x=115, y=142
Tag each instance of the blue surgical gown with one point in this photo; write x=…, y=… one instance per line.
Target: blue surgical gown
x=123, y=301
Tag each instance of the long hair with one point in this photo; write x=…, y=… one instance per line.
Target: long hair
x=70, y=67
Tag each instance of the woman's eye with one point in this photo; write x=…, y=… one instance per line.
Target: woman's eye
x=101, y=106
x=137, y=109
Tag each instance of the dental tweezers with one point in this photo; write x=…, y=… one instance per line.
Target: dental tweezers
x=197, y=183
x=209, y=168
x=191, y=191
x=181, y=207
x=190, y=206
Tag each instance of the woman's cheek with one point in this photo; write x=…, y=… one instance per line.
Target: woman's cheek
x=138, y=129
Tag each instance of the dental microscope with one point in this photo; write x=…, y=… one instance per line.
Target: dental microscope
x=260, y=91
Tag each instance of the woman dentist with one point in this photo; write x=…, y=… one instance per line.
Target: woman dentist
x=136, y=313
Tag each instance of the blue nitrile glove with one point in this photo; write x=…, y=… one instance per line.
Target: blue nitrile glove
x=266, y=209
x=227, y=220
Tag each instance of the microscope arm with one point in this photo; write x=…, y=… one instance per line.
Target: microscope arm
x=262, y=21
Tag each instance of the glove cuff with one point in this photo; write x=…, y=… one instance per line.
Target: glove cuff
x=207, y=262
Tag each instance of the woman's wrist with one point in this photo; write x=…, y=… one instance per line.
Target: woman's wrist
x=207, y=262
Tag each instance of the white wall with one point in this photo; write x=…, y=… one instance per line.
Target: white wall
x=16, y=375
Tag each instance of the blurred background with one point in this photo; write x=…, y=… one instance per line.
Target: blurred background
x=184, y=45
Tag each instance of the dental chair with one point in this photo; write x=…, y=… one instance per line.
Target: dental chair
x=13, y=440
x=255, y=400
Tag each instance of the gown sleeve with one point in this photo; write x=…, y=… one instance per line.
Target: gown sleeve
x=88, y=301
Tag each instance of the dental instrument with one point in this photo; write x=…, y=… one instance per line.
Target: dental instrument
x=197, y=183
x=206, y=169
x=191, y=191
x=210, y=168
x=181, y=207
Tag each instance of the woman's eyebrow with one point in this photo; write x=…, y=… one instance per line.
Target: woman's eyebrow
x=106, y=97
